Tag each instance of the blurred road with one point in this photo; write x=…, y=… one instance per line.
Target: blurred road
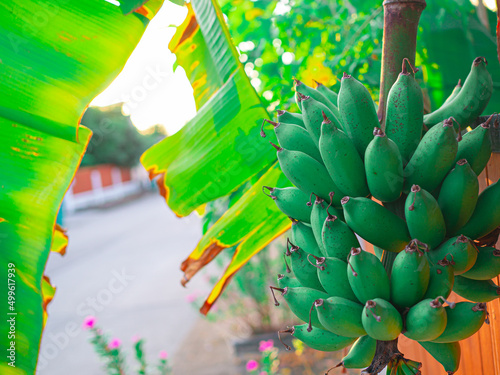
x=122, y=266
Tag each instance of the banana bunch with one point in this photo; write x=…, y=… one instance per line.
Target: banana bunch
x=410, y=189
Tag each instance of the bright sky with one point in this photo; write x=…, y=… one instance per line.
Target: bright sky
x=152, y=92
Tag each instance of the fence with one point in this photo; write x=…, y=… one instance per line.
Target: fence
x=102, y=184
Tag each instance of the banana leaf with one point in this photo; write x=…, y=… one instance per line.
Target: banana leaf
x=36, y=170
x=48, y=292
x=250, y=223
x=56, y=56
x=219, y=149
x=59, y=240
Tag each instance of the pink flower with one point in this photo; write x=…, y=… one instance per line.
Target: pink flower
x=89, y=322
x=114, y=344
x=263, y=373
x=135, y=339
x=266, y=345
x=191, y=297
x=163, y=354
x=252, y=365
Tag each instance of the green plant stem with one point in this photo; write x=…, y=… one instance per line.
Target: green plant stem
x=400, y=40
x=355, y=37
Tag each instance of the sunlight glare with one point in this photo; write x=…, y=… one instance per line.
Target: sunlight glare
x=150, y=90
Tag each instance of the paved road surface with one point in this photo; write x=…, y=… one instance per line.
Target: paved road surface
x=121, y=265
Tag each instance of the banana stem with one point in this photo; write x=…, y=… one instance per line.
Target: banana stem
x=384, y=353
x=397, y=207
x=400, y=40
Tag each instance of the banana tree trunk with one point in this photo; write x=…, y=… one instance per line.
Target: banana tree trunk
x=400, y=40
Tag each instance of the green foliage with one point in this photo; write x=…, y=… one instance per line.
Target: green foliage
x=328, y=38
x=115, y=139
x=325, y=37
x=450, y=37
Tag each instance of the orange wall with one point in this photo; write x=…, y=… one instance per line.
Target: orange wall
x=83, y=181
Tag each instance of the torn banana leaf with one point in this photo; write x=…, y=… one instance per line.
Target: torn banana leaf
x=251, y=223
x=219, y=149
x=55, y=57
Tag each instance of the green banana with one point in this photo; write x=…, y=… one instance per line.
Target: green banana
x=487, y=265
x=384, y=168
x=303, y=237
x=337, y=237
x=357, y=112
x=328, y=93
x=307, y=174
x=433, y=158
x=476, y=290
x=475, y=147
x=410, y=276
x=486, y=216
x=319, y=339
x=332, y=275
x=458, y=196
x=316, y=95
x=441, y=280
x=463, y=321
x=470, y=101
x=408, y=367
x=405, y=113
x=426, y=320
x=361, y=353
x=313, y=114
x=381, y=320
x=318, y=217
x=375, y=223
x=340, y=316
x=342, y=160
x=448, y=354
x=458, y=250
x=291, y=201
x=303, y=270
x=287, y=281
x=299, y=300
x=367, y=276
x=294, y=138
x=455, y=92
x=290, y=118
x=424, y=218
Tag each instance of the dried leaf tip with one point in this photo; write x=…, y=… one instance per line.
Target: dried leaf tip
x=480, y=59
x=278, y=148
x=377, y=132
x=326, y=120
x=486, y=124
x=404, y=70
x=318, y=84
x=302, y=97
